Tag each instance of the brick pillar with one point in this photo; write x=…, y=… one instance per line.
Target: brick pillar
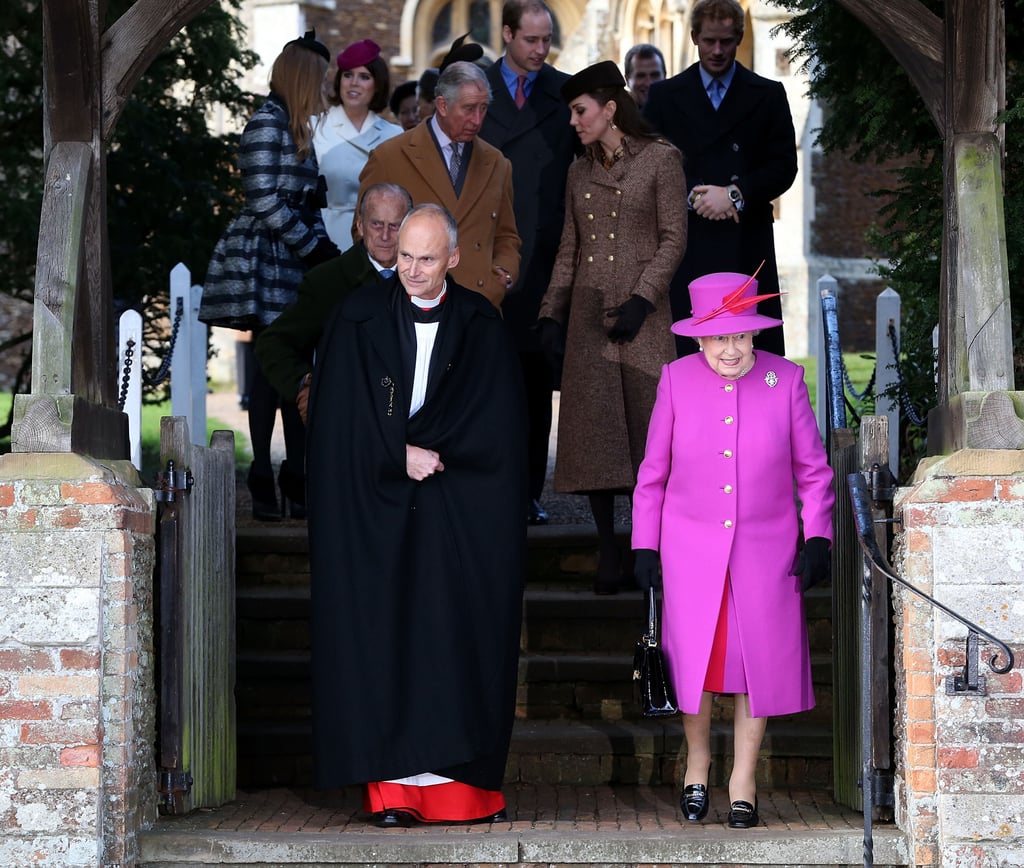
x=960, y=759
x=77, y=707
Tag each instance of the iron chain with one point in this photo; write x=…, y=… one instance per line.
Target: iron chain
x=904, y=396
x=126, y=375
x=165, y=364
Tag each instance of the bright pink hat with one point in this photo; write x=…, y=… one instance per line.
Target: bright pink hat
x=724, y=303
x=358, y=54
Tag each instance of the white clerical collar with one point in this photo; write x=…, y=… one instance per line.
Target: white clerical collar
x=430, y=303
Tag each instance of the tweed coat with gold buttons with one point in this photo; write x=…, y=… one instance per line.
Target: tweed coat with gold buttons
x=624, y=234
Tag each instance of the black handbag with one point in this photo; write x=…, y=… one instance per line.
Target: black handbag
x=650, y=677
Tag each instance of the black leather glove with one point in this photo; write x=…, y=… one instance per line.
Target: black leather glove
x=324, y=251
x=645, y=569
x=630, y=315
x=815, y=563
x=552, y=341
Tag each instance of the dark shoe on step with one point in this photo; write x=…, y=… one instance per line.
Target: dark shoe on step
x=395, y=820
x=536, y=514
x=743, y=815
x=264, y=497
x=293, y=492
x=695, y=802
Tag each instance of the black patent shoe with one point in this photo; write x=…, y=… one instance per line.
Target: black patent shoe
x=743, y=815
x=695, y=802
x=395, y=820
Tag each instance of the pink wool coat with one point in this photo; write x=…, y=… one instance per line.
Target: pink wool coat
x=715, y=492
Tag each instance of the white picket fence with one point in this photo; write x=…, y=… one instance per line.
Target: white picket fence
x=887, y=313
x=187, y=362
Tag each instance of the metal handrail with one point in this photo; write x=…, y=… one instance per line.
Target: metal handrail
x=967, y=683
x=859, y=499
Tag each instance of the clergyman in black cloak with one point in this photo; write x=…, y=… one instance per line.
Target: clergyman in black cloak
x=416, y=585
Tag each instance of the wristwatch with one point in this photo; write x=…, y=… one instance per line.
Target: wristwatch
x=735, y=195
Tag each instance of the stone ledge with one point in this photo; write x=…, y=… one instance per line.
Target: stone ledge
x=477, y=845
x=972, y=462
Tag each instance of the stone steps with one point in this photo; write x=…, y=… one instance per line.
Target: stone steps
x=576, y=716
x=551, y=686
x=575, y=752
x=166, y=847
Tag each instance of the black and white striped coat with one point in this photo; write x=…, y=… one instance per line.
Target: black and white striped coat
x=256, y=267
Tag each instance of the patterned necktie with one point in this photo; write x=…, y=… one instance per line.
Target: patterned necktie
x=455, y=164
x=521, y=91
x=716, y=90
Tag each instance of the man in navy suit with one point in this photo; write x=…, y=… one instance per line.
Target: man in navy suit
x=529, y=122
x=739, y=150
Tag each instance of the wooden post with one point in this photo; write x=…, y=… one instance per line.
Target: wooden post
x=130, y=341
x=88, y=75
x=188, y=365
x=52, y=418
x=887, y=315
x=958, y=64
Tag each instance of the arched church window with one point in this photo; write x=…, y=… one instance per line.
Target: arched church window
x=480, y=21
x=442, y=29
x=481, y=18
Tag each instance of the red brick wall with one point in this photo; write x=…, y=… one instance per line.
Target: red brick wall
x=378, y=20
x=843, y=213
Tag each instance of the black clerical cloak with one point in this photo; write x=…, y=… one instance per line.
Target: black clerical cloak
x=416, y=586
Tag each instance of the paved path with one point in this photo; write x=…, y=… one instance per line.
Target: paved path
x=549, y=825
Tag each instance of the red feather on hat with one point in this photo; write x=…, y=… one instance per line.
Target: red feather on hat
x=734, y=302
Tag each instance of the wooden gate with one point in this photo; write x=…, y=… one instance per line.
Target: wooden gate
x=195, y=628
x=850, y=454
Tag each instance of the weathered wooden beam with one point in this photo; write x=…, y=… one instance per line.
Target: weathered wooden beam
x=977, y=420
x=914, y=36
x=68, y=423
x=130, y=44
x=60, y=265
x=66, y=71
x=976, y=49
x=982, y=357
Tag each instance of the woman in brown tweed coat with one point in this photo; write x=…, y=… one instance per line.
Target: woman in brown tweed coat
x=607, y=304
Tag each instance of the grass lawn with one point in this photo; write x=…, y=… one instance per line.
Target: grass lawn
x=859, y=366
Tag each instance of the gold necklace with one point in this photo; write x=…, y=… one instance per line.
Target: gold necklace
x=610, y=160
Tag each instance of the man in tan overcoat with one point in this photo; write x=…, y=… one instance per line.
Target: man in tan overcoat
x=477, y=190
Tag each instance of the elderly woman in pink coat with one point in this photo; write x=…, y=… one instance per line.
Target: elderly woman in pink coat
x=731, y=432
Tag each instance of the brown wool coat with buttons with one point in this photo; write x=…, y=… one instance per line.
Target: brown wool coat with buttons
x=624, y=234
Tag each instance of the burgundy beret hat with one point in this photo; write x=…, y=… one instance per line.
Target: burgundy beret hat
x=358, y=54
